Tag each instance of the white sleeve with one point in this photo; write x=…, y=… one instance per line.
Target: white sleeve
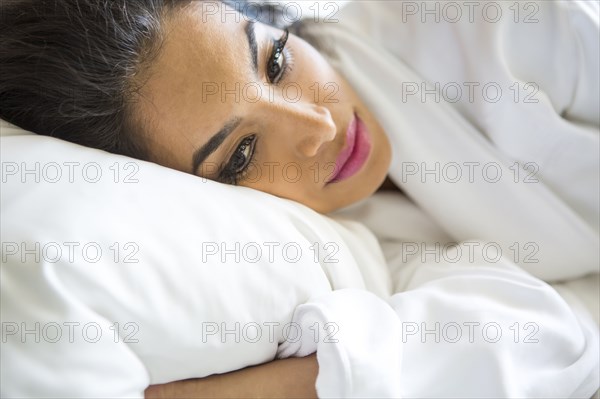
x=470, y=329
x=529, y=78
x=416, y=67
x=355, y=334
x=491, y=330
x=553, y=44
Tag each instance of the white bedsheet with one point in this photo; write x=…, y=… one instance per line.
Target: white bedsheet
x=502, y=331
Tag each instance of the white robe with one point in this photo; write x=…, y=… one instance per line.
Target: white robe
x=422, y=328
x=554, y=204
x=421, y=345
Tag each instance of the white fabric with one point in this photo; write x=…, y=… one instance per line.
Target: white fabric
x=470, y=291
x=366, y=342
x=456, y=287
x=460, y=330
x=157, y=230
x=560, y=213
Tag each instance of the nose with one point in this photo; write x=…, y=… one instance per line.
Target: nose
x=305, y=126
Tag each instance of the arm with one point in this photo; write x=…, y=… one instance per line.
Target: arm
x=285, y=378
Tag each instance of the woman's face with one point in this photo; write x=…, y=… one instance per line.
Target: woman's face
x=222, y=104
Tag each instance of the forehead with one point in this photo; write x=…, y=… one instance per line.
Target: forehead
x=201, y=48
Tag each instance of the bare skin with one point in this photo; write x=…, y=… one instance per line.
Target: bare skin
x=185, y=101
x=285, y=378
x=288, y=124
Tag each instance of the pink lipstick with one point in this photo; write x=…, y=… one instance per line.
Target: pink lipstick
x=355, y=153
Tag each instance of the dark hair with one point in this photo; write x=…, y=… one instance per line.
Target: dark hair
x=71, y=68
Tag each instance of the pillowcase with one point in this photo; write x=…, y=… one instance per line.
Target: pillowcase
x=119, y=273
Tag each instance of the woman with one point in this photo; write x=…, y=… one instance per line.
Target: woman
x=133, y=93
x=195, y=87
x=130, y=64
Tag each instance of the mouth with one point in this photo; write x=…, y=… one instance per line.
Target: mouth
x=355, y=153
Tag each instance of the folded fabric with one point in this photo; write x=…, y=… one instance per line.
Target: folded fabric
x=472, y=323
x=117, y=273
x=518, y=166
x=467, y=329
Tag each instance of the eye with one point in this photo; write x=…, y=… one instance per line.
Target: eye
x=237, y=166
x=277, y=65
x=243, y=155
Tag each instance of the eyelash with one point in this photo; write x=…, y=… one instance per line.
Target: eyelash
x=231, y=174
x=280, y=50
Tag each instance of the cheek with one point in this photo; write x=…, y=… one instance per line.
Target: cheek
x=310, y=64
x=304, y=184
x=288, y=179
x=323, y=83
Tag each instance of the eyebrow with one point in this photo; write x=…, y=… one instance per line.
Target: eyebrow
x=217, y=139
x=251, y=36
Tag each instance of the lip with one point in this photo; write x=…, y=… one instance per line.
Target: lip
x=355, y=153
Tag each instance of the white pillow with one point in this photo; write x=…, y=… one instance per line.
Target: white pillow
x=115, y=275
